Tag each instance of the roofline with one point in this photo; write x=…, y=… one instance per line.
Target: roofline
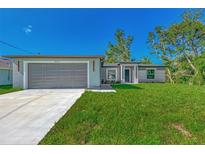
x=111, y=65
x=145, y=65
x=129, y=62
x=50, y=56
x=154, y=65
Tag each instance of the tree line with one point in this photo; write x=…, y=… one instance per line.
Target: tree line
x=180, y=46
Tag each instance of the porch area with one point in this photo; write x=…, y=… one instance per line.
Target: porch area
x=128, y=73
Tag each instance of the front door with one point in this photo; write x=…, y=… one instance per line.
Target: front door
x=127, y=75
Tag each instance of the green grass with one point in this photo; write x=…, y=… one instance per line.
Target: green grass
x=7, y=89
x=136, y=114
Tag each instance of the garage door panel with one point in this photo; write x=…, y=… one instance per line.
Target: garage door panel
x=69, y=75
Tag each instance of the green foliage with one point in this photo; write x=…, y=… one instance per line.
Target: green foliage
x=119, y=52
x=197, y=79
x=179, y=45
x=146, y=60
x=199, y=62
x=7, y=89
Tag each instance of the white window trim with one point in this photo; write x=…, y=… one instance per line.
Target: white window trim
x=137, y=70
x=121, y=68
x=25, y=69
x=115, y=69
x=129, y=74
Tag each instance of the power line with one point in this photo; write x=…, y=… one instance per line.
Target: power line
x=13, y=46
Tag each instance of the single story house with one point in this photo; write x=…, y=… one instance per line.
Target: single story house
x=132, y=72
x=30, y=72
x=5, y=72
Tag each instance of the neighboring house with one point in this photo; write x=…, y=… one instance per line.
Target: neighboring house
x=78, y=72
x=5, y=72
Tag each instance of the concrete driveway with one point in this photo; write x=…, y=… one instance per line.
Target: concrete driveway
x=26, y=116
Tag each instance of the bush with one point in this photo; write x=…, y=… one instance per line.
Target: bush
x=197, y=80
x=110, y=82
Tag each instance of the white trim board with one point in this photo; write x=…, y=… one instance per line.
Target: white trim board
x=115, y=72
x=4, y=68
x=25, y=69
x=121, y=70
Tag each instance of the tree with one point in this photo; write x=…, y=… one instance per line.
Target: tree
x=199, y=62
x=159, y=42
x=146, y=60
x=180, y=44
x=134, y=60
x=119, y=52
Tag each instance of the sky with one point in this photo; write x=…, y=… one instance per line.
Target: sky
x=79, y=31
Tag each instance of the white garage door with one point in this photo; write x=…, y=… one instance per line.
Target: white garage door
x=64, y=75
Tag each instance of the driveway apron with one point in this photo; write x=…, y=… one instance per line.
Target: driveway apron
x=26, y=116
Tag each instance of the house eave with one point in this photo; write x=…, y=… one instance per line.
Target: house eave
x=52, y=56
x=151, y=65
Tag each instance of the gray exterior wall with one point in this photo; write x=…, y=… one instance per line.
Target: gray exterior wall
x=94, y=77
x=5, y=76
x=159, y=74
x=103, y=72
x=141, y=73
x=17, y=75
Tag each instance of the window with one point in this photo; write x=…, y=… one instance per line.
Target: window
x=111, y=74
x=150, y=74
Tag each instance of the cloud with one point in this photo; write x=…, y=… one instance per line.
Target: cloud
x=29, y=26
x=28, y=29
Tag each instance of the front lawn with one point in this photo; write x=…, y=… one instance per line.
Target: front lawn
x=7, y=89
x=136, y=114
